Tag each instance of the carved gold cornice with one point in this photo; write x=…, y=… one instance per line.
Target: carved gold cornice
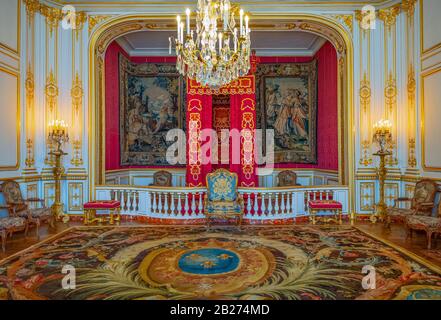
x=53, y=16
x=80, y=20
x=32, y=6
x=389, y=15
x=409, y=6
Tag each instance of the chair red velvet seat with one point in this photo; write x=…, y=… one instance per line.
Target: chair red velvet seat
x=90, y=209
x=325, y=205
x=102, y=204
x=333, y=206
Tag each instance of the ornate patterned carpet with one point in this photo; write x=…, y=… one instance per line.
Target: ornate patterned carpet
x=295, y=262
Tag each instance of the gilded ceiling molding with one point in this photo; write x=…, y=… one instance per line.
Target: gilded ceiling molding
x=346, y=19
x=329, y=35
x=95, y=20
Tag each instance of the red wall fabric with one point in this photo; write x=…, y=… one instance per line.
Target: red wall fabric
x=327, y=113
x=327, y=133
x=112, y=102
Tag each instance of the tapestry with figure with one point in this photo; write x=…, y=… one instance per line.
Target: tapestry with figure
x=287, y=103
x=151, y=104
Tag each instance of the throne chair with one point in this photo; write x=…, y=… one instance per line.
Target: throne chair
x=222, y=199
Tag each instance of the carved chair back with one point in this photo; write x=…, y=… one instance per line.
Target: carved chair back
x=222, y=185
x=425, y=192
x=287, y=178
x=162, y=179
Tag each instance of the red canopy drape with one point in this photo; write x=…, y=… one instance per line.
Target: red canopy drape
x=242, y=118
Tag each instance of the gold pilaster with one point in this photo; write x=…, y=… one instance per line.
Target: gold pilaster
x=409, y=7
x=389, y=17
x=32, y=6
x=365, y=93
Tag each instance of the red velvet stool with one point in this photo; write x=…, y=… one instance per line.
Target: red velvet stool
x=90, y=209
x=325, y=205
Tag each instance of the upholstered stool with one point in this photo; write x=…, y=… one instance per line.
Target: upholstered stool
x=325, y=205
x=9, y=225
x=430, y=225
x=90, y=209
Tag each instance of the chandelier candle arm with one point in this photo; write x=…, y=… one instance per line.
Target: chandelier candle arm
x=208, y=57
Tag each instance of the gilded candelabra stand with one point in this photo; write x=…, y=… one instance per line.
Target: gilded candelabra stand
x=383, y=137
x=58, y=136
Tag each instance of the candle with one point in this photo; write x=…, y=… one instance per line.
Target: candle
x=235, y=39
x=188, y=20
x=241, y=21
x=383, y=127
x=226, y=9
x=178, y=19
x=182, y=32
x=220, y=42
x=246, y=24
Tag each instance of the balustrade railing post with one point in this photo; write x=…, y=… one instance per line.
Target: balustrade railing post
x=179, y=204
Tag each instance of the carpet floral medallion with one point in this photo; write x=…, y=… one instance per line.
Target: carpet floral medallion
x=271, y=262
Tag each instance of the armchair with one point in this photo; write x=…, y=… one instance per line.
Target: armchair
x=430, y=225
x=19, y=207
x=422, y=202
x=222, y=199
x=287, y=178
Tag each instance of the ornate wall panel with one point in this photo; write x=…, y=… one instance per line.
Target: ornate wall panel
x=10, y=26
x=367, y=196
x=75, y=197
x=10, y=120
x=391, y=192
x=431, y=113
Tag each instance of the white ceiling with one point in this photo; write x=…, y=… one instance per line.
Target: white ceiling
x=266, y=43
x=251, y=5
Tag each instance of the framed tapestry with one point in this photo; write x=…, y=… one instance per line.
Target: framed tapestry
x=287, y=103
x=151, y=103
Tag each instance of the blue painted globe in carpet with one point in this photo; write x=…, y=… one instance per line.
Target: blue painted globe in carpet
x=425, y=294
x=209, y=261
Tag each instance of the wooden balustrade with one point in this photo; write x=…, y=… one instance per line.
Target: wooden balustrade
x=188, y=203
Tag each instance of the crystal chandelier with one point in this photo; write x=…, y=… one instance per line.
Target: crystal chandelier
x=219, y=51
